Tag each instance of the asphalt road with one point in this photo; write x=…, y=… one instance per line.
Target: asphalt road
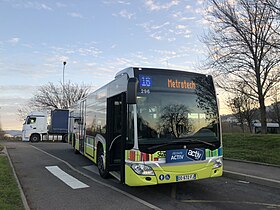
x=45, y=191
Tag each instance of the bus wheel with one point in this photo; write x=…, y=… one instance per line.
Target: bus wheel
x=35, y=138
x=100, y=163
x=76, y=151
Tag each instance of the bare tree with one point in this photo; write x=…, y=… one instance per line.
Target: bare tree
x=275, y=5
x=206, y=96
x=2, y=133
x=25, y=109
x=244, y=109
x=235, y=106
x=175, y=117
x=244, y=47
x=274, y=112
x=52, y=96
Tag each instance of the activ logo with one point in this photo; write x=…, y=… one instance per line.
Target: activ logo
x=184, y=155
x=177, y=156
x=195, y=154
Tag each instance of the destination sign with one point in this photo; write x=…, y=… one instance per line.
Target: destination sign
x=149, y=83
x=145, y=81
x=181, y=84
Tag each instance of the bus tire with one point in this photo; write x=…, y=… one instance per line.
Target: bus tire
x=100, y=163
x=35, y=137
x=76, y=151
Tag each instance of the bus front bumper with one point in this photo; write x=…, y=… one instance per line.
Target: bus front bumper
x=173, y=174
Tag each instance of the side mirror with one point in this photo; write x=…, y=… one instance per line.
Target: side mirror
x=132, y=86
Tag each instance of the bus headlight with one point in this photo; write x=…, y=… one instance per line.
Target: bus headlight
x=217, y=163
x=142, y=169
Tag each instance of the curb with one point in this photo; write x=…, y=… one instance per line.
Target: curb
x=23, y=198
x=252, y=162
x=254, y=179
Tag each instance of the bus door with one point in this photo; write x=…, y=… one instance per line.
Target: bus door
x=71, y=127
x=116, y=130
x=82, y=126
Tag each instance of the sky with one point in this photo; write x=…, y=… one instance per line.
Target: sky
x=96, y=38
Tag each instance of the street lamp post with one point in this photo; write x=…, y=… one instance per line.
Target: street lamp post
x=64, y=64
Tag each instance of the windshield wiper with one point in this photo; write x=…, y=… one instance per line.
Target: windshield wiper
x=182, y=141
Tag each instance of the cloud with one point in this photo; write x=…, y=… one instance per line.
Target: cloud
x=60, y=5
x=200, y=1
x=183, y=16
x=75, y=15
x=156, y=36
x=188, y=7
x=204, y=22
x=27, y=45
x=14, y=40
x=89, y=51
x=181, y=26
x=44, y=6
x=114, y=2
x=155, y=27
x=166, y=31
x=15, y=92
x=165, y=52
x=124, y=2
x=125, y=14
x=90, y=64
x=83, y=49
x=35, y=5
x=152, y=5
x=57, y=58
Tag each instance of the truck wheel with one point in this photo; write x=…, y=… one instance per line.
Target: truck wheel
x=65, y=138
x=100, y=163
x=35, y=138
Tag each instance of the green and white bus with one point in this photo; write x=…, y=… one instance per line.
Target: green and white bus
x=151, y=126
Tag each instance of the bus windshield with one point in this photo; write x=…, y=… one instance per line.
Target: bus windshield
x=176, y=114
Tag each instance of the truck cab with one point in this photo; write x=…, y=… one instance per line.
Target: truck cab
x=35, y=126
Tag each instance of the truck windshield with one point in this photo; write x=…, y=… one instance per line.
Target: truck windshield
x=178, y=116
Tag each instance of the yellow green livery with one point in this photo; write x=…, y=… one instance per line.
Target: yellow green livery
x=151, y=126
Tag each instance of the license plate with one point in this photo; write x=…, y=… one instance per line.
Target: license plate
x=186, y=177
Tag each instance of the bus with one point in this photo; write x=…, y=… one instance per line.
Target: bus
x=151, y=126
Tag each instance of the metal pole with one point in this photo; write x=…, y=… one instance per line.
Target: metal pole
x=64, y=64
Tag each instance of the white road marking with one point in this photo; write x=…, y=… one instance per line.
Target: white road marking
x=271, y=205
x=255, y=177
x=243, y=182
x=66, y=178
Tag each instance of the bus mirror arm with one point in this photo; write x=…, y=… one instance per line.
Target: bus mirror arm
x=131, y=95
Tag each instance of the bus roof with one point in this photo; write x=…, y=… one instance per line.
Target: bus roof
x=130, y=71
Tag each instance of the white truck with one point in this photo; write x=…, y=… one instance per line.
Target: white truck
x=36, y=127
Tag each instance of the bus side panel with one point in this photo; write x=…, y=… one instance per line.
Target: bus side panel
x=90, y=150
x=90, y=157
x=77, y=144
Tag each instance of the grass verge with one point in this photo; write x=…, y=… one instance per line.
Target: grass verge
x=9, y=192
x=252, y=147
